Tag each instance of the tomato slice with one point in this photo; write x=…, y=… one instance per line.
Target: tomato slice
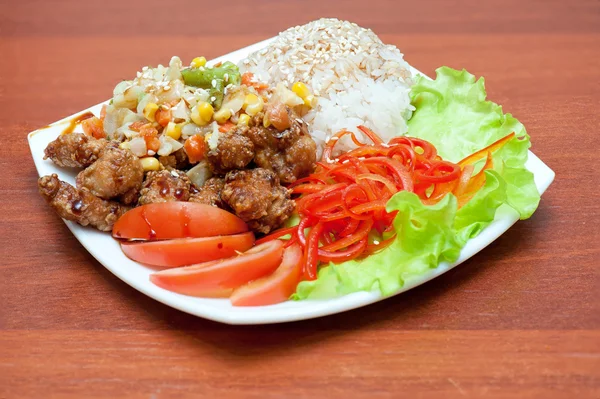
x=274, y=288
x=187, y=251
x=166, y=220
x=219, y=278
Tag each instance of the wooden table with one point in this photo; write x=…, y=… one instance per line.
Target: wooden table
x=521, y=319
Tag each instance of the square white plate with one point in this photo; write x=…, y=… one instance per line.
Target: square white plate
x=107, y=251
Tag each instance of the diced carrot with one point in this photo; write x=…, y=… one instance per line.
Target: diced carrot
x=150, y=135
x=227, y=126
x=195, y=148
x=138, y=125
x=248, y=80
x=163, y=115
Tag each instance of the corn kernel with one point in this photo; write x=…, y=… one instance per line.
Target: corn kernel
x=310, y=101
x=253, y=104
x=202, y=113
x=206, y=111
x=250, y=98
x=244, y=119
x=198, y=62
x=266, y=121
x=222, y=115
x=150, y=111
x=300, y=89
x=125, y=145
x=173, y=130
x=150, y=163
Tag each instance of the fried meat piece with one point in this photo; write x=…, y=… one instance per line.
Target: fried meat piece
x=209, y=193
x=165, y=186
x=79, y=205
x=256, y=196
x=117, y=173
x=177, y=160
x=233, y=151
x=75, y=150
x=291, y=153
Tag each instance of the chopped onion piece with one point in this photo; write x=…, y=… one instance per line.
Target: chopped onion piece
x=200, y=173
x=181, y=112
x=138, y=147
x=168, y=145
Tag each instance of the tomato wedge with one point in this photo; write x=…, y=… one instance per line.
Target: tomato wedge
x=217, y=279
x=176, y=220
x=187, y=251
x=276, y=287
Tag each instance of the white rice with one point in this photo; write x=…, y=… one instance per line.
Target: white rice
x=357, y=79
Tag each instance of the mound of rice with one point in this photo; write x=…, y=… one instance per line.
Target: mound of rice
x=356, y=78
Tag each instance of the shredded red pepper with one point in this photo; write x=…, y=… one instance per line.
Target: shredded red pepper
x=342, y=205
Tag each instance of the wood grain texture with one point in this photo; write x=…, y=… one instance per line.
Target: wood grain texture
x=521, y=319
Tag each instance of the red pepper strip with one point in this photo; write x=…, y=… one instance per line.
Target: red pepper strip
x=476, y=156
x=355, y=140
x=337, y=216
x=348, y=203
x=372, y=248
x=439, y=191
x=308, y=188
x=370, y=134
x=421, y=189
x=407, y=154
x=350, y=228
x=368, y=151
x=402, y=140
x=277, y=234
x=463, y=181
x=326, y=238
x=359, y=234
x=360, y=167
x=429, y=151
x=342, y=172
x=449, y=172
x=463, y=199
x=377, y=169
x=312, y=252
x=332, y=142
x=324, y=165
x=304, y=224
x=310, y=179
x=300, y=203
x=352, y=252
x=388, y=184
x=478, y=180
x=401, y=174
x=376, y=205
x=327, y=202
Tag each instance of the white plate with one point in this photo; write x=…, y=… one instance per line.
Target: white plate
x=107, y=251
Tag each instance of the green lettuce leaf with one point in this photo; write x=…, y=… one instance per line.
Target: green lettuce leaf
x=453, y=114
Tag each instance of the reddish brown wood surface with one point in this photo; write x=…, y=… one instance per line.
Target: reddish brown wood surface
x=521, y=319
